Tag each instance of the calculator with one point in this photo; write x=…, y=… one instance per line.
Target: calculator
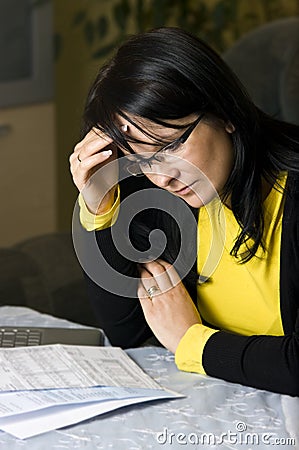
x=28, y=336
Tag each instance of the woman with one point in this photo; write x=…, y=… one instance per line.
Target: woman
x=167, y=95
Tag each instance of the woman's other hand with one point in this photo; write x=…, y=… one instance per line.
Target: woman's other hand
x=87, y=162
x=170, y=311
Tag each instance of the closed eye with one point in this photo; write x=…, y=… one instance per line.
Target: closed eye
x=141, y=161
x=172, y=147
x=158, y=156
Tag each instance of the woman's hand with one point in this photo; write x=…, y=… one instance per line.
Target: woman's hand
x=170, y=311
x=96, y=184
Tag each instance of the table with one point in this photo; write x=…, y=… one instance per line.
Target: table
x=214, y=413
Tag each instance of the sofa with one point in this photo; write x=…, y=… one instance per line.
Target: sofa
x=43, y=273
x=267, y=62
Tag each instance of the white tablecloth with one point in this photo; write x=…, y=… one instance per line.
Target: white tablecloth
x=214, y=413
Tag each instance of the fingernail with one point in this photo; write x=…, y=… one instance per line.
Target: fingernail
x=107, y=152
x=124, y=127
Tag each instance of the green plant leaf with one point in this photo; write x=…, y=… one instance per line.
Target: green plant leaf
x=161, y=10
x=89, y=32
x=182, y=13
x=120, y=16
x=79, y=17
x=105, y=51
x=126, y=7
x=232, y=10
x=219, y=15
x=102, y=27
x=140, y=16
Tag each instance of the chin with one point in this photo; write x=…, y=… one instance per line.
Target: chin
x=197, y=200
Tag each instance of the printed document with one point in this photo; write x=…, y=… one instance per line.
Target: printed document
x=66, y=366
x=47, y=387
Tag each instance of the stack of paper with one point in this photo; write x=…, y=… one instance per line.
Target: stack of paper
x=47, y=387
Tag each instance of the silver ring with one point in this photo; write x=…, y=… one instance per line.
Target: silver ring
x=78, y=158
x=151, y=291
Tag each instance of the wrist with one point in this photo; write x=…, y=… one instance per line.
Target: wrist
x=91, y=221
x=188, y=355
x=105, y=205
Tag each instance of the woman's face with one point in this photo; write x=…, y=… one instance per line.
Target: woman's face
x=196, y=170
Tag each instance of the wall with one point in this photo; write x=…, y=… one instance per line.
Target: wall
x=27, y=173
x=74, y=72
x=27, y=121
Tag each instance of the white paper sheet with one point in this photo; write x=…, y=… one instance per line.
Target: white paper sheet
x=66, y=366
x=13, y=403
x=47, y=387
x=38, y=422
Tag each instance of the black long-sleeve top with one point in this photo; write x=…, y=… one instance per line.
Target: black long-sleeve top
x=261, y=361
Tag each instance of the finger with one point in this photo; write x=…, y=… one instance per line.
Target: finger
x=146, y=279
x=94, y=147
x=91, y=161
x=84, y=166
x=171, y=272
x=92, y=135
x=82, y=171
x=91, y=144
x=149, y=280
x=145, y=300
x=160, y=274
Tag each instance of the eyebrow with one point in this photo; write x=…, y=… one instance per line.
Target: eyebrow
x=176, y=141
x=140, y=158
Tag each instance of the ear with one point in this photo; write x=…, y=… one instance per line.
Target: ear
x=229, y=128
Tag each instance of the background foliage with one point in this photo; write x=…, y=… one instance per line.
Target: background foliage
x=219, y=22
x=87, y=32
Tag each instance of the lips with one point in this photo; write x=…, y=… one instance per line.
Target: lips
x=184, y=190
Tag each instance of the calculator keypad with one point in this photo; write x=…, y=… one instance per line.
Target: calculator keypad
x=19, y=338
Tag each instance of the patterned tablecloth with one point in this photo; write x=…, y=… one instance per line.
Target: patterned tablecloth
x=214, y=413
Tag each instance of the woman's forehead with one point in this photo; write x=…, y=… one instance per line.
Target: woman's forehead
x=149, y=128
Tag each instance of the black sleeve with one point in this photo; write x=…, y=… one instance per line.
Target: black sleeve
x=120, y=316
x=264, y=362
x=119, y=312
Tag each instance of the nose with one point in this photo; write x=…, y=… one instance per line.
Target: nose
x=163, y=178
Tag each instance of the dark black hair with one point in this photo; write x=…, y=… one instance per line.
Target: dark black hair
x=168, y=74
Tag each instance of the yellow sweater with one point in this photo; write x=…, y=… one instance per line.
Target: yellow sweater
x=240, y=298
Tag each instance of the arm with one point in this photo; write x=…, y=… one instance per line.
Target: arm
x=264, y=362
x=120, y=316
